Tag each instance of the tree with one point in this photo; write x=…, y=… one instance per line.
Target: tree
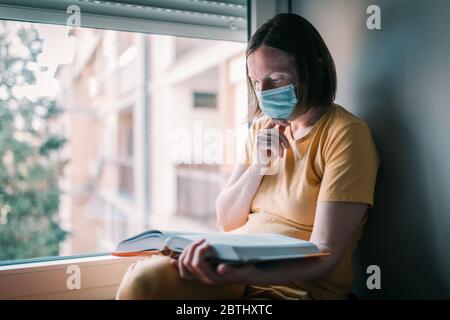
x=29, y=169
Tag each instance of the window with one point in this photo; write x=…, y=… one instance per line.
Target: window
x=125, y=153
x=205, y=99
x=99, y=140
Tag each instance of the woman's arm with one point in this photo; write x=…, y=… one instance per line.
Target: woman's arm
x=234, y=202
x=334, y=226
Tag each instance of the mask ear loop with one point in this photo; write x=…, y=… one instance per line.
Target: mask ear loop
x=296, y=96
x=296, y=88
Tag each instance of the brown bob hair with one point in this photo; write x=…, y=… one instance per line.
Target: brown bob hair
x=316, y=71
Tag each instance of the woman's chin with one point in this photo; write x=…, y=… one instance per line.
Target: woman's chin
x=281, y=122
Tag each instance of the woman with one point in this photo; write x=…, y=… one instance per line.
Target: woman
x=309, y=171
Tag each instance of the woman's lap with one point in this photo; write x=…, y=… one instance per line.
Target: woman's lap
x=156, y=278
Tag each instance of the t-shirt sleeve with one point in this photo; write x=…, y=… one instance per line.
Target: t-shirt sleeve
x=351, y=166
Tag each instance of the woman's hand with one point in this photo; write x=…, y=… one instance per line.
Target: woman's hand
x=270, y=141
x=192, y=265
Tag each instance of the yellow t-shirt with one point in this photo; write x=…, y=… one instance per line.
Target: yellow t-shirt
x=335, y=161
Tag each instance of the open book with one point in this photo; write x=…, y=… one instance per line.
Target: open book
x=227, y=248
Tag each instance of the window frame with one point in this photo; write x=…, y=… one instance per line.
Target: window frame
x=100, y=277
x=129, y=23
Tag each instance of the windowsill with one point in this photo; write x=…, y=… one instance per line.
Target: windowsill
x=100, y=277
x=33, y=261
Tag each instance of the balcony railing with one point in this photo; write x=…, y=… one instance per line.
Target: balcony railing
x=198, y=186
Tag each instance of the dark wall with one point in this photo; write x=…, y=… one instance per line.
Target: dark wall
x=398, y=80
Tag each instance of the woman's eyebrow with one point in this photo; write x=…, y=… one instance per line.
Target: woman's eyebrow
x=280, y=72
x=271, y=73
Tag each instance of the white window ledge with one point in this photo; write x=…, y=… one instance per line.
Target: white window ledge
x=100, y=277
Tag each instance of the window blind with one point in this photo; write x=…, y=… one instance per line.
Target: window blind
x=221, y=20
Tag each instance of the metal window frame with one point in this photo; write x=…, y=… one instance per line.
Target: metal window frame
x=212, y=26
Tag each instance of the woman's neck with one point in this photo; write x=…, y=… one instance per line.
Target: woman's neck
x=301, y=125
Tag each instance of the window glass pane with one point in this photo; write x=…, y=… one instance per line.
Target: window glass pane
x=104, y=134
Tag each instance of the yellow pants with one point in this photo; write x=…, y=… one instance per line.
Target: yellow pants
x=156, y=278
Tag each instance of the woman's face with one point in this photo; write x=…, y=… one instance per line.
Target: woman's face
x=270, y=68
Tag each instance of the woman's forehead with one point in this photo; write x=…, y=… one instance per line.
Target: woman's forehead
x=266, y=60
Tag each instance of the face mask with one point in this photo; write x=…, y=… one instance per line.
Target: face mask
x=278, y=103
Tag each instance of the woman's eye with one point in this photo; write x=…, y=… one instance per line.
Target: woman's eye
x=278, y=79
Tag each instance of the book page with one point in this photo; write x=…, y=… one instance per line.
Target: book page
x=246, y=240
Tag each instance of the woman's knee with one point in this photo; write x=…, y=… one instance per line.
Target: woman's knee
x=147, y=279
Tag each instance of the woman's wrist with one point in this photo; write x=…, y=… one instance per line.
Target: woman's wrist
x=260, y=168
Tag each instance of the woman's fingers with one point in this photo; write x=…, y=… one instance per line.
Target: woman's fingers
x=190, y=250
x=184, y=261
x=270, y=124
x=283, y=139
x=182, y=270
x=192, y=263
x=281, y=122
x=202, y=268
x=270, y=138
x=267, y=145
